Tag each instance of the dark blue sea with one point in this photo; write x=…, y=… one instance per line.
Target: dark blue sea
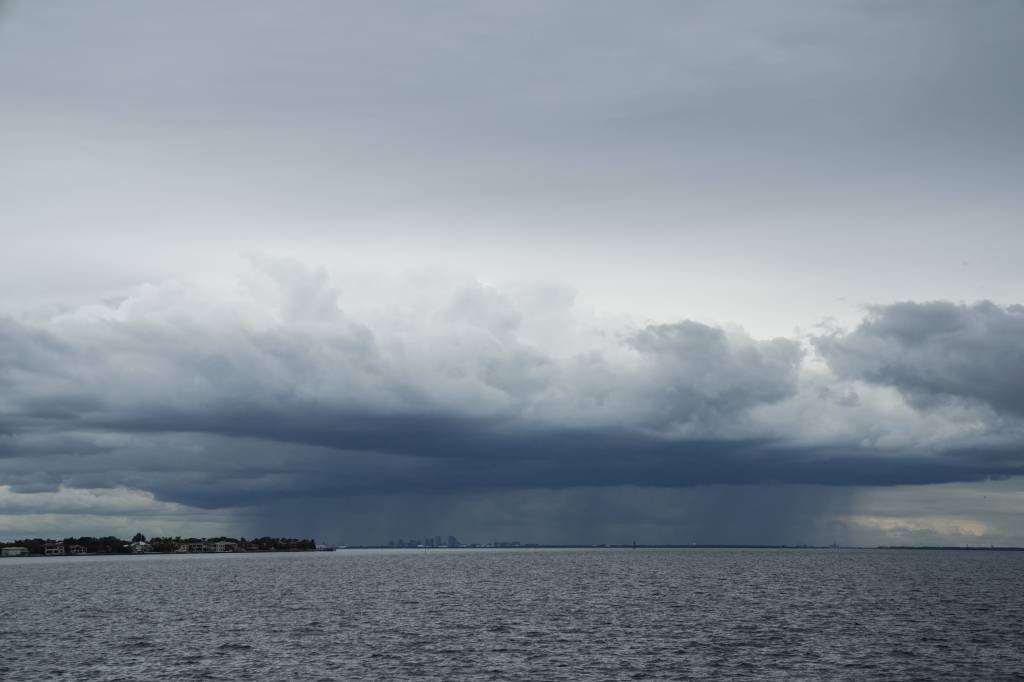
x=603, y=614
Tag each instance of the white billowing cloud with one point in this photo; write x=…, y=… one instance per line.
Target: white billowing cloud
x=181, y=348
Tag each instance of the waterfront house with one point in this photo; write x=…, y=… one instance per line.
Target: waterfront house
x=78, y=550
x=54, y=549
x=13, y=551
x=140, y=547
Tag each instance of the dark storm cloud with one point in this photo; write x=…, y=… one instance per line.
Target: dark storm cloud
x=173, y=393
x=396, y=456
x=937, y=351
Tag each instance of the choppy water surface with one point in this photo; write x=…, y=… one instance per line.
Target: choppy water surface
x=520, y=614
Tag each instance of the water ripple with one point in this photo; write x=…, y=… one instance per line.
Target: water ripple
x=516, y=615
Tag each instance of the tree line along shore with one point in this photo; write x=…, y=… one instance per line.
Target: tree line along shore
x=139, y=544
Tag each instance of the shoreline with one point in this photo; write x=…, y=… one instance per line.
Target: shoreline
x=530, y=547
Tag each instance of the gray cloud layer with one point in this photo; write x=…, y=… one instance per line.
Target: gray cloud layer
x=285, y=395
x=679, y=142
x=687, y=164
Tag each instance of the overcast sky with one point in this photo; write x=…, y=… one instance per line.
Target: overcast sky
x=550, y=271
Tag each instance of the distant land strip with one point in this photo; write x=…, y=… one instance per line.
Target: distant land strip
x=90, y=546
x=85, y=546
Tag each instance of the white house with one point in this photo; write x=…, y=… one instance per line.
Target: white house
x=54, y=549
x=13, y=551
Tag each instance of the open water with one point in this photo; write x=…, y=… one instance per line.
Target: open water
x=514, y=615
